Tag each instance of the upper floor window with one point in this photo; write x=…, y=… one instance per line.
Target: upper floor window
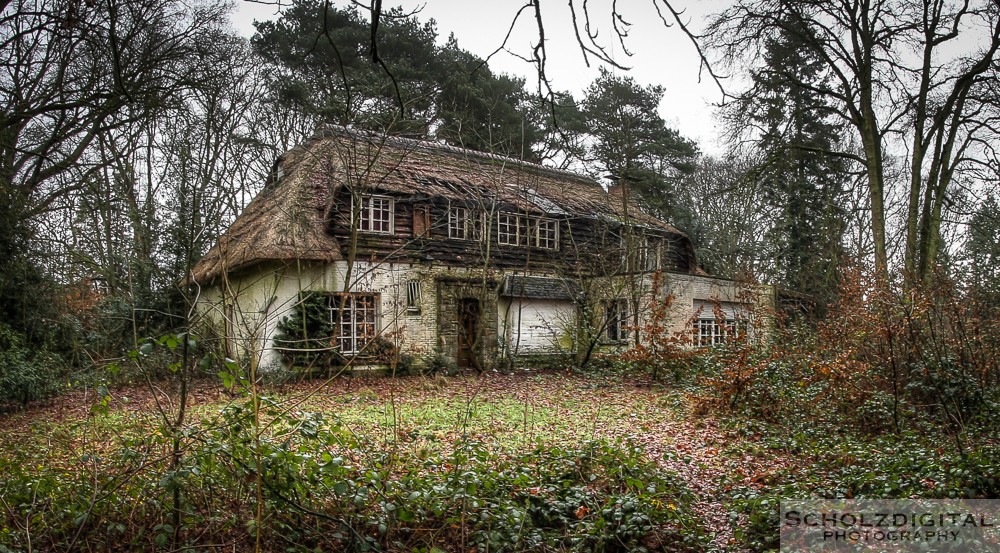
x=376, y=214
x=641, y=252
x=508, y=230
x=652, y=252
x=522, y=230
x=548, y=234
x=458, y=223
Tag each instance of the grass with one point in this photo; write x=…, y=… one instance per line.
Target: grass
x=414, y=427
x=393, y=435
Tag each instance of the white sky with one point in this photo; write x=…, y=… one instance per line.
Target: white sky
x=660, y=55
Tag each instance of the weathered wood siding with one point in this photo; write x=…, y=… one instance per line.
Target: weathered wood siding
x=590, y=246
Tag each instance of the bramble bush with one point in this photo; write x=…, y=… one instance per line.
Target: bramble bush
x=885, y=358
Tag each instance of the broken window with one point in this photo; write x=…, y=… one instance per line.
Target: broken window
x=421, y=221
x=459, y=224
x=413, y=295
x=616, y=320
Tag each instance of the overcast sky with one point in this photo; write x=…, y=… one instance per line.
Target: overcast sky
x=659, y=55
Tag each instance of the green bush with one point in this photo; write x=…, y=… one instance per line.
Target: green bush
x=598, y=496
x=25, y=375
x=324, y=488
x=305, y=336
x=760, y=513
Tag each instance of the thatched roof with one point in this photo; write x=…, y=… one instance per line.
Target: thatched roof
x=288, y=218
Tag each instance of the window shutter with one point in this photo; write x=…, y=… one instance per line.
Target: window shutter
x=421, y=221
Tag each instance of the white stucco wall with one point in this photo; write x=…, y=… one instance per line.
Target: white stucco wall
x=249, y=307
x=255, y=302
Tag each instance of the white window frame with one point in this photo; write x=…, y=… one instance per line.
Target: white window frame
x=357, y=323
x=459, y=223
x=506, y=221
x=551, y=240
x=711, y=332
x=386, y=206
x=527, y=231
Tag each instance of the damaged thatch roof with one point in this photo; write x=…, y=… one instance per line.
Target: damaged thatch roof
x=288, y=218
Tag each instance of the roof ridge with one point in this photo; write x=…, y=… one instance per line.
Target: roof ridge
x=330, y=129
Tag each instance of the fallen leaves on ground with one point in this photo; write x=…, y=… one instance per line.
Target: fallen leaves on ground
x=523, y=409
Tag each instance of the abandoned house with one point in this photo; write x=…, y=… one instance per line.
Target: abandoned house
x=363, y=247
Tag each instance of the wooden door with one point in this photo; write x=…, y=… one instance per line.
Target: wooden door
x=468, y=333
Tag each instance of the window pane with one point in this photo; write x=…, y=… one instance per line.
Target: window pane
x=357, y=321
x=548, y=234
x=458, y=223
x=376, y=214
x=507, y=229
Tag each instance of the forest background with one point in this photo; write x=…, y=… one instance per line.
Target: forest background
x=859, y=176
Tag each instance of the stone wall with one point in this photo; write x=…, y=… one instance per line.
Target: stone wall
x=451, y=290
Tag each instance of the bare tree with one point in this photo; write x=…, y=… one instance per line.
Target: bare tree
x=904, y=76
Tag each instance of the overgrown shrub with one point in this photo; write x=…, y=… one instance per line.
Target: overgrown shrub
x=887, y=356
x=25, y=374
x=662, y=350
x=836, y=465
x=324, y=488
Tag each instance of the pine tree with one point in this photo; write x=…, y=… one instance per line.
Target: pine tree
x=802, y=179
x=632, y=144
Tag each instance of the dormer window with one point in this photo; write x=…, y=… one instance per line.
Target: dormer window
x=548, y=234
x=507, y=229
x=376, y=214
x=521, y=230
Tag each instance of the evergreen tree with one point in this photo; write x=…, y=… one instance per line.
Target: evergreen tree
x=323, y=67
x=981, y=252
x=632, y=144
x=802, y=180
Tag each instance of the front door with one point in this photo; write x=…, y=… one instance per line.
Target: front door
x=468, y=333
